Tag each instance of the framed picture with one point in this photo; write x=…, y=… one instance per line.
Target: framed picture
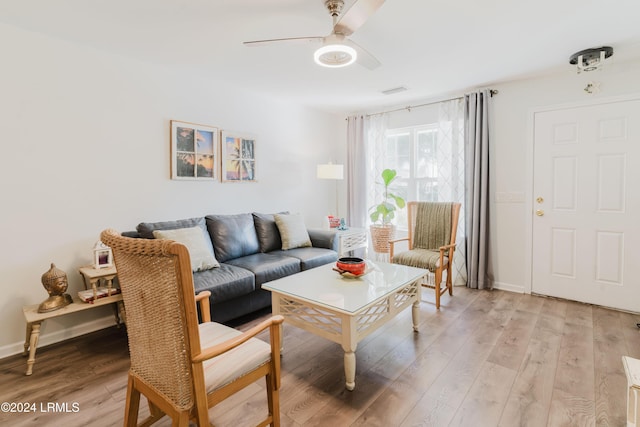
x=238, y=157
x=193, y=151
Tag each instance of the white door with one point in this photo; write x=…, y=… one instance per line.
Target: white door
x=586, y=208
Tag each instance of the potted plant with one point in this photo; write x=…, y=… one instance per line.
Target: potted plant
x=381, y=214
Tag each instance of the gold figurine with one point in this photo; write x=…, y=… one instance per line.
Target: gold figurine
x=55, y=282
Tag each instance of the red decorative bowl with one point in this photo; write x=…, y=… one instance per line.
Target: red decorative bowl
x=353, y=265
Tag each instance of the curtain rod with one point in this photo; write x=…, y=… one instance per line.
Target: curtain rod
x=409, y=107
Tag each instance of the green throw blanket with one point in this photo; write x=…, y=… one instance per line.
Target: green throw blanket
x=433, y=226
x=433, y=229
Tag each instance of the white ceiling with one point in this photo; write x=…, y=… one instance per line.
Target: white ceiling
x=433, y=48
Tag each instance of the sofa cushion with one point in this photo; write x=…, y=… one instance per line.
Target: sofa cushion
x=233, y=236
x=197, y=242
x=310, y=257
x=146, y=228
x=293, y=232
x=225, y=283
x=267, y=267
x=267, y=230
x=229, y=310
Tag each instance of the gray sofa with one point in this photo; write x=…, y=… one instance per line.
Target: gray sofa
x=248, y=248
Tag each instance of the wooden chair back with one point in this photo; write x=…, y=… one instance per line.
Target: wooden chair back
x=164, y=336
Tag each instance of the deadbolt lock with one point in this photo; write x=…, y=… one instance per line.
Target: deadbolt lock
x=539, y=200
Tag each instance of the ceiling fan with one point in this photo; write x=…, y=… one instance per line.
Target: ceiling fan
x=337, y=50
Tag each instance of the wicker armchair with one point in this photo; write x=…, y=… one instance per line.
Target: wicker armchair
x=183, y=367
x=432, y=241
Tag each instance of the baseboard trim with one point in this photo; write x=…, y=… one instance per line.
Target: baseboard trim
x=59, y=336
x=509, y=287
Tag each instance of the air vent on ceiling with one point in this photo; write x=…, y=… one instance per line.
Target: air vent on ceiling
x=394, y=90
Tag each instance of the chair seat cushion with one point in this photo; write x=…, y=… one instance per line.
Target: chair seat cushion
x=223, y=369
x=421, y=258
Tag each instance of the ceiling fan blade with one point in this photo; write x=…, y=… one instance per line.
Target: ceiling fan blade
x=356, y=15
x=290, y=40
x=365, y=58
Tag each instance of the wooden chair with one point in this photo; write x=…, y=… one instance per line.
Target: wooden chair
x=183, y=368
x=438, y=224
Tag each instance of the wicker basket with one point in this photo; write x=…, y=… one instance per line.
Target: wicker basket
x=380, y=236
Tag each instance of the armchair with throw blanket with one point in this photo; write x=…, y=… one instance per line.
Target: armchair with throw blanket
x=431, y=241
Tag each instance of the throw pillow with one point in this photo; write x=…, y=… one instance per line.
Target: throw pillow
x=293, y=232
x=146, y=229
x=267, y=230
x=199, y=246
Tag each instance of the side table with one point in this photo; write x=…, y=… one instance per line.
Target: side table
x=92, y=277
x=35, y=319
x=351, y=239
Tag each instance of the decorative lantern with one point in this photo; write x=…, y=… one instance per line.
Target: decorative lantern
x=102, y=255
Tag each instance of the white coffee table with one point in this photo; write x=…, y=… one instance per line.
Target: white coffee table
x=344, y=310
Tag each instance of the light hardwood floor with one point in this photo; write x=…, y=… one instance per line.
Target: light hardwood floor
x=487, y=358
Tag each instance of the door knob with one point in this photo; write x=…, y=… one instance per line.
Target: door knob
x=540, y=212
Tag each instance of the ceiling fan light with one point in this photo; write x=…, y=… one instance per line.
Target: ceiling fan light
x=335, y=55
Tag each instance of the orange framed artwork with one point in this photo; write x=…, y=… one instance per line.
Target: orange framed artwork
x=238, y=157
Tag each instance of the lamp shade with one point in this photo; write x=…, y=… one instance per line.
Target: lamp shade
x=330, y=171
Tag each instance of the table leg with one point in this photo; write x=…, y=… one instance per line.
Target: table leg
x=350, y=369
x=116, y=313
x=123, y=313
x=94, y=286
x=33, y=344
x=27, y=339
x=275, y=310
x=349, y=344
x=415, y=308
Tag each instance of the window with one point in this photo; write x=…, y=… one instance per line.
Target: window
x=429, y=160
x=413, y=153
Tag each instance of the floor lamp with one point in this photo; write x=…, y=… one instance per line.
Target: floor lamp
x=331, y=171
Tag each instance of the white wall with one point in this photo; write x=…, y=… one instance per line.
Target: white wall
x=85, y=146
x=511, y=154
x=85, y=141
x=511, y=145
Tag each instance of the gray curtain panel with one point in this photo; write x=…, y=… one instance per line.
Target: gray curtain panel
x=356, y=173
x=476, y=118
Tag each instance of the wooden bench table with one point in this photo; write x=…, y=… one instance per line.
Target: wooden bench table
x=35, y=319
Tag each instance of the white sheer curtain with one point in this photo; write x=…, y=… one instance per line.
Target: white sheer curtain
x=450, y=161
x=356, y=172
x=375, y=131
x=451, y=174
